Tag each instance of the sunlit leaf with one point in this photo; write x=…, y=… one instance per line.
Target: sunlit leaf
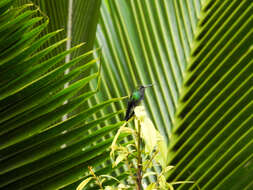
x=110, y=177
x=151, y=186
x=162, y=156
x=147, y=133
x=168, y=168
x=148, y=174
x=123, y=130
x=122, y=156
x=84, y=183
x=140, y=113
x=109, y=188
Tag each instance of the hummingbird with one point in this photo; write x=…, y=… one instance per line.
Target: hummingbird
x=135, y=100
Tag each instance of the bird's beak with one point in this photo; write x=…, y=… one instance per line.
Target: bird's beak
x=149, y=85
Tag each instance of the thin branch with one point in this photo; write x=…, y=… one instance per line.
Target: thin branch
x=95, y=177
x=139, y=159
x=151, y=159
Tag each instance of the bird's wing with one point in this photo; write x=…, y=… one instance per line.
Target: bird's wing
x=130, y=107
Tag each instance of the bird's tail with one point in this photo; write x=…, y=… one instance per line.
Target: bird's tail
x=129, y=116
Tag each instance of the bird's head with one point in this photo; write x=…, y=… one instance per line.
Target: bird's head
x=146, y=86
x=142, y=87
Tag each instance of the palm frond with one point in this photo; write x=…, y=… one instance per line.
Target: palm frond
x=146, y=42
x=213, y=135
x=37, y=147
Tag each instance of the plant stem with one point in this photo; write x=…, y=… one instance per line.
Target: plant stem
x=149, y=162
x=139, y=160
x=130, y=168
x=95, y=177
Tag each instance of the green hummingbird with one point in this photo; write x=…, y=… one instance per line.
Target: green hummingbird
x=135, y=100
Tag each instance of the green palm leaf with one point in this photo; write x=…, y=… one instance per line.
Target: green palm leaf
x=197, y=53
x=213, y=133
x=37, y=146
x=168, y=42
x=147, y=42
